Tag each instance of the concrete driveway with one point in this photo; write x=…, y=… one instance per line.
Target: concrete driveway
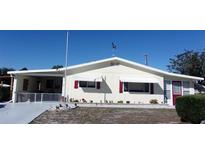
x=23, y=113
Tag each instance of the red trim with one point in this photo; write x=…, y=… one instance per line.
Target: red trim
x=176, y=95
x=76, y=84
x=120, y=86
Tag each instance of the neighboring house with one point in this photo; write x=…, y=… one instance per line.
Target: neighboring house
x=109, y=80
x=5, y=82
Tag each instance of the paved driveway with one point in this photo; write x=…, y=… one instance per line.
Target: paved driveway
x=23, y=113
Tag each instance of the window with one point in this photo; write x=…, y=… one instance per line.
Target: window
x=176, y=88
x=49, y=84
x=136, y=87
x=186, y=88
x=126, y=86
x=83, y=84
x=151, y=88
x=167, y=90
x=91, y=84
x=25, y=84
x=87, y=84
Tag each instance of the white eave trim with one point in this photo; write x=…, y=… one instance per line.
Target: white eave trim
x=90, y=78
x=139, y=79
x=164, y=73
x=35, y=71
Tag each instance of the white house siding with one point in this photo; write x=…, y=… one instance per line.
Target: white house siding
x=191, y=84
x=110, y=86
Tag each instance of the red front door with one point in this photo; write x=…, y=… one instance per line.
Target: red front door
x=177, y=90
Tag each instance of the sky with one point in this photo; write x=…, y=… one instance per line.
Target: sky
x=43, y=49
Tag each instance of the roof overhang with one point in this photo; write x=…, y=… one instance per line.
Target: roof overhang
x=144, y=67
x=139, y=79
x=48, y=72
x=89, y=78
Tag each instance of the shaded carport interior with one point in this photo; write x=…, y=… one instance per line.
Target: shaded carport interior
x=42, y=85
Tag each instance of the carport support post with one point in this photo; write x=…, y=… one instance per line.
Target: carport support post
x=35, y=97
x=41, y=97
x=14, y=92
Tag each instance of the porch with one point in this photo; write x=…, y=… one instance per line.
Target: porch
x=37, y=87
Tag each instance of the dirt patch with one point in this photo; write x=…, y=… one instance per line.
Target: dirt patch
x=108, y=116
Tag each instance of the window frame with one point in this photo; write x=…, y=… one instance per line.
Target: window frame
x=185, y=90
x=126, y=87
x=87, y=84
x=167, y=90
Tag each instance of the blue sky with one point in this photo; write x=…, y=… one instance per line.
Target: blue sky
x=43, y=49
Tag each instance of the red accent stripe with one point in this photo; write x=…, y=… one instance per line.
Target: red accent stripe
x=120, y=87
x=76, y=84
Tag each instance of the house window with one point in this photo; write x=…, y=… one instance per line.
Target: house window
x=177, y=88
x=91, y=84
x=136, y=87
x=167, y=90
x=126, y=87
x=49, y=84
x=87, y=84
x=151, y=88
x=25, y=84
x=186, y=87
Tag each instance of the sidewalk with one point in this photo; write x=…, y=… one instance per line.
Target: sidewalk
x=23, y=113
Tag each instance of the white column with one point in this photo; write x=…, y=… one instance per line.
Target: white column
x=63, y=87
x=14, y=92
x=171, y=93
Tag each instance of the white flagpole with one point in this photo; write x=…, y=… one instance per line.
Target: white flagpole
x=66, y=65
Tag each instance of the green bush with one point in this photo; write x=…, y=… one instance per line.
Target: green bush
x=191, y=108
x=4, y=94
x=120, y=102
x=153, y=101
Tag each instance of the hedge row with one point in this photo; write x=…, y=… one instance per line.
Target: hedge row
x=191, y=108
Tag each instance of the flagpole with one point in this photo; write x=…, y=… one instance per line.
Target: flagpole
x=66, y=65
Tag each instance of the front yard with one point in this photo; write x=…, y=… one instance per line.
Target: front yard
x=93, y=115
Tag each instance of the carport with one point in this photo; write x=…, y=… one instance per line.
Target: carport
x=37, y=86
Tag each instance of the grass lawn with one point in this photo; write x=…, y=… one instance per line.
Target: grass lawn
x=108, y=116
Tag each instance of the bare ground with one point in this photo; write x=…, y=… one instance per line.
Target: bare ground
x=108, y=116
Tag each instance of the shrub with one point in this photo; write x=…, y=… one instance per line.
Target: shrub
x=120, y=102
x=76, y=101
x=191, y=108
x=153, y=101
x=4, y=94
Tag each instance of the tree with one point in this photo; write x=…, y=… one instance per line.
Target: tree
x=57, y=66
x=4, y=70
x=189, y=62
x=24, y=69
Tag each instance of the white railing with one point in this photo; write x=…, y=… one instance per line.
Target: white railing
x=38, y=97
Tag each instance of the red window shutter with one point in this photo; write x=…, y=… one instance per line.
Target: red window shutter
x=76, y=84
x=98, y=85
x=120, y=87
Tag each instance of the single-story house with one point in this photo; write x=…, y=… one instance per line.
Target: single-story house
x=112, y=80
